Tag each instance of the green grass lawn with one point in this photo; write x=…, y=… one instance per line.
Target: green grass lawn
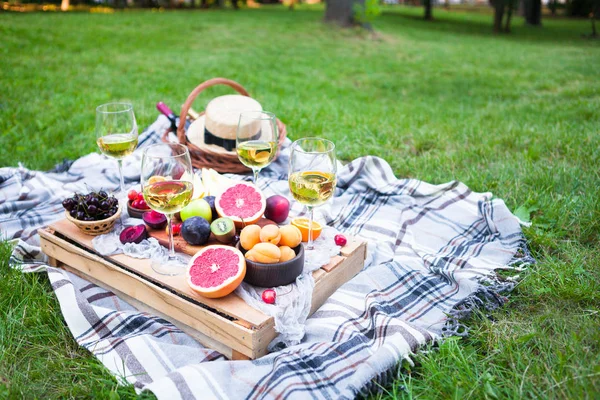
x=517, y=115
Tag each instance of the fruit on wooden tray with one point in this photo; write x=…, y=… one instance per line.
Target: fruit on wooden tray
x=133, y=234
x=340, y=240
x=93, y=206
x=277, y=209
x=250, y=236
x=270, y=234
x=154, y=219
x=136, y=200
x=250, y=255
x=290, y=236
x=287, y=253
x=243, y=202
x=302, y=224
x=266, y=253
x=216, y=271
x=223, y=229
x=215, y=183
x=197, y=208
x=195, y=231
x=176, y=226
x=211, y=202
x=269, y=296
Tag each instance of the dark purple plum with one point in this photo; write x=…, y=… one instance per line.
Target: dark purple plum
x=195, y=231
x=211, y=202
x=154, y=220
x=133, y=234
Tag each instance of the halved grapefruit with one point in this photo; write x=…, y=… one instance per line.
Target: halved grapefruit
x=215, y=271
x=243, y=202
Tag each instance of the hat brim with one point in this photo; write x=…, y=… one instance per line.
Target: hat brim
x=195, y=134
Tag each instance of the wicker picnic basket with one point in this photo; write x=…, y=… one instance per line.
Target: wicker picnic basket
x=204, y=157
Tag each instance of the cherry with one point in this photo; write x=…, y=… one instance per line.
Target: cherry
x=135, y=204
x=269, y=296
x=142, y=204
x=140, y=196
x=132, y=195
x=340, y=240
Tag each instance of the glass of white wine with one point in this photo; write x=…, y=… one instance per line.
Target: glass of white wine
x=165, y=170
x=312, y=175
x=257, y=140
x=116, y=134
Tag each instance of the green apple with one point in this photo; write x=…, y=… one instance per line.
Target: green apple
x=197, y=208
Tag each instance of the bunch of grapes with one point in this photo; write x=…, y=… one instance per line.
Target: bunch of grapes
x=94, y=206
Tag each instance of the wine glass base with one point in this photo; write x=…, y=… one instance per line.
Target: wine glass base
x=170, y=266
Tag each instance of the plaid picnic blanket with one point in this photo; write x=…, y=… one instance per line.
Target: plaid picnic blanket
x=433, y=253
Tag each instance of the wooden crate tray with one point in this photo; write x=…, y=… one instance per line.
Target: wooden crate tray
x=228, y=325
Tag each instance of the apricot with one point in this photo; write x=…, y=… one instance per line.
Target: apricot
x=250, y=255
x=290, y=236
x=250, y=236
x=266, y=253
x=270, y=234
x=286, y=253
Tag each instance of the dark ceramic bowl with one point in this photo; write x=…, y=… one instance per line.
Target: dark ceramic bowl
x=135, y=212
x=271, y=275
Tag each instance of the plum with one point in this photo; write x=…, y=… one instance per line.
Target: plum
x=278, y=208
x=154, y=220
x=195, y=231
x=133, y=234
x=211, y=201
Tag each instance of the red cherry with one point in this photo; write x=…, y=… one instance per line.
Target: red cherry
x=142, y=204
x=176, y=228
x=340, y=240
x=269, y=296
x=140, y=196
x=132, y=195
x=135, y=204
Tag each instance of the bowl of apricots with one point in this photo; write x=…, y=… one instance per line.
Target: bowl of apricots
x=274, y=255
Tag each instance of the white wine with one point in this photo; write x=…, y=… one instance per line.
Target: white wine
x=168, y=197
x=312, y=188
x=118, y=145
x=256, y=153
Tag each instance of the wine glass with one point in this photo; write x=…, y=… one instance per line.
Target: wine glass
x=167, y=188
x=116, y=134
x=312, y=175
x=257, y=140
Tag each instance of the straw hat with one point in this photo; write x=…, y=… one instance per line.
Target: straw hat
x=216, y=129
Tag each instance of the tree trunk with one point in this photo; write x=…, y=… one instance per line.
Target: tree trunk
x=533, y=12
x=595, y=12
x=340, y=11
x=511, y=5
x=498, y=15
x=64, y=5
x=428, y=15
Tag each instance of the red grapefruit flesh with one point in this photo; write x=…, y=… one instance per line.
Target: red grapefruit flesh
x=215, y=271
x=243, y=202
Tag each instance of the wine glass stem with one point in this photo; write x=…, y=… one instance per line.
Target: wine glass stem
x=121, y=180
x=171, y=243
x=310, y=245
x=255, y=171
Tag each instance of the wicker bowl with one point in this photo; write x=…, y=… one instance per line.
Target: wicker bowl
x=277, y=274
x=95, y=228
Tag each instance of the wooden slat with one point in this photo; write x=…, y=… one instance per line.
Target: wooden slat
x=231, y=305
x=227, y=332
x=331, y=281
x=333, y=263
x=207, y=341
x=351, y=246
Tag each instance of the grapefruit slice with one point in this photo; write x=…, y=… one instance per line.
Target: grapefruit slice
x=243, y=202
x=215, y=271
